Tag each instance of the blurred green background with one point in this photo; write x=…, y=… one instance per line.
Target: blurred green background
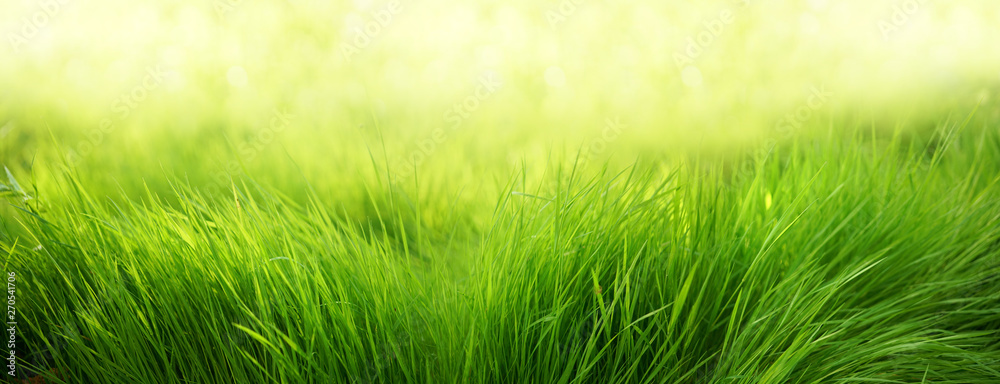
x=131, y=94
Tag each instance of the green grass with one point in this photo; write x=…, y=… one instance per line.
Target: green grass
x=555, y=191
x=845, y=255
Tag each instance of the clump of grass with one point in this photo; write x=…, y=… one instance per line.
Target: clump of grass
x=832, y=259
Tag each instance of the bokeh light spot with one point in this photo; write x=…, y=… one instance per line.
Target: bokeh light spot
x=237, y=76
x=555, y=77
x=691, y=77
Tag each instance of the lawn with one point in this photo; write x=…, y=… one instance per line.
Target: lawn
x=564, y=192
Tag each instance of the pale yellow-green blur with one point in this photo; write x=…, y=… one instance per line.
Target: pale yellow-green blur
x=196, y=87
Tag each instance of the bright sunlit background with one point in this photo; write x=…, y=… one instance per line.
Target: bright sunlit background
x=203, y=89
